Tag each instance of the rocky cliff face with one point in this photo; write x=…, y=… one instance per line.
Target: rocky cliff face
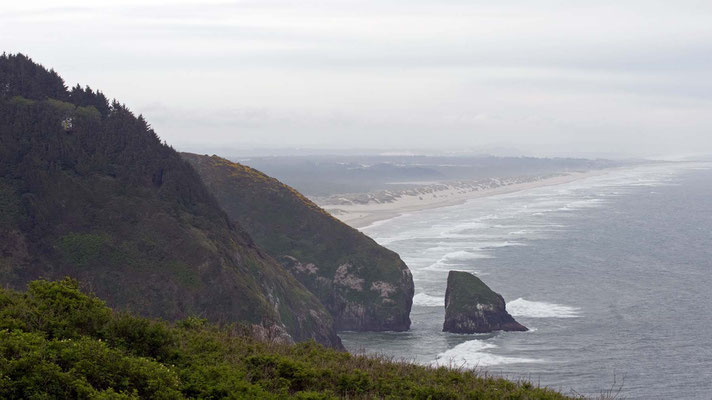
x=88, y=190
x=472, y=307
x=365, y=286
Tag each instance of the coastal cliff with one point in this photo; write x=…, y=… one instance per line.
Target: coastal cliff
x=365, y=286
x=88, y=190
x=472, y=307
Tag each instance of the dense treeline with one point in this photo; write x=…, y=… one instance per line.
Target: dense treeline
x=56, y=153
x=20, y=76
x=101, y=138
x=57, y=342
x=88, y=190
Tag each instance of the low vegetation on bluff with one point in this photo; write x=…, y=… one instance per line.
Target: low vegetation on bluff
x=58, y=342
x=364, y=286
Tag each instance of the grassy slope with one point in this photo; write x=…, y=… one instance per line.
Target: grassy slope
x=56, y=342
x=285, y=223
x=108, y=203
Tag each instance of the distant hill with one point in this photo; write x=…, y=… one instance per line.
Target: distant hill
x=364, y=285
x=328, y=175
x=88, y=190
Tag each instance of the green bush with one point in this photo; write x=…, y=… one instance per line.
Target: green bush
x=60, y=310
x=57, y=342
x=141, y=337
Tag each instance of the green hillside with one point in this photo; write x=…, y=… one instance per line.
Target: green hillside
x=364, y=285
x=58, y=343
x=88, y=190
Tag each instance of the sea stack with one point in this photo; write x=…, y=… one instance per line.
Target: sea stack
x=472, y=307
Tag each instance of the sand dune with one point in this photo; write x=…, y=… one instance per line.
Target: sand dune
x=364, y=210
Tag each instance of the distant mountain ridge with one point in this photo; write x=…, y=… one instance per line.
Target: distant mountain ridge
x=364, y=285
x=88, y=190
x=329, y=175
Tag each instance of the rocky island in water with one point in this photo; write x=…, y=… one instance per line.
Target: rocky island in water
x=472, y=307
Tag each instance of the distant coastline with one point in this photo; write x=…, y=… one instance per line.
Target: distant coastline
x=360, y=211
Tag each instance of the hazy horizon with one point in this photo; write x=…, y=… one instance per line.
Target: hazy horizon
x=541, y=78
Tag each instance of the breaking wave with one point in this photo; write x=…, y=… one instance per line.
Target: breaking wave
x=538, y=309
x=472, y=354
x=426, y=300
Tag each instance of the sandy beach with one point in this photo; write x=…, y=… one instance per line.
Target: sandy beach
x=362, y=215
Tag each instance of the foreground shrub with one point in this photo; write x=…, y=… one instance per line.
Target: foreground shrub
x=57, y=342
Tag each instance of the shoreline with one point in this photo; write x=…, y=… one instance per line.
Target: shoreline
x=360, y=216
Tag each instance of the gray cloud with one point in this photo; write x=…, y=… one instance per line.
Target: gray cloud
x=547, y=76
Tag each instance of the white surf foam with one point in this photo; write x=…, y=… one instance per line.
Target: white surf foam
x=466, y=236
x=456, y=258
x=582, y=204
x=648, y=182
x=475, y=251
x=493, y=245
x=539, y=309
x=444, y=266
x=437, y=266
x=469, y=225
x=426, y=300
x=472, y=354
x=378, y=223
x=462, y=255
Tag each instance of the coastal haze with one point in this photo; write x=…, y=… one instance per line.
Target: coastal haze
x=363, y=189
x=547, y=78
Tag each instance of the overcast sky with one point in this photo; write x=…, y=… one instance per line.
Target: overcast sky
x=627, y=78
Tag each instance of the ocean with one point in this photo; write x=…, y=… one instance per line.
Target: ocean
x=611, y=273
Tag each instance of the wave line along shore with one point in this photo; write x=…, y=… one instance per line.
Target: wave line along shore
x=362, y=214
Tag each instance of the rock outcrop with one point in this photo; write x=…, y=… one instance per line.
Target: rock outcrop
x=472, y=307
x=365, y=286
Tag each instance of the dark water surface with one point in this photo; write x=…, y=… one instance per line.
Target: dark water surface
x=612, y=273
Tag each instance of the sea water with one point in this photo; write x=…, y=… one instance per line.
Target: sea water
x=612, y=274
